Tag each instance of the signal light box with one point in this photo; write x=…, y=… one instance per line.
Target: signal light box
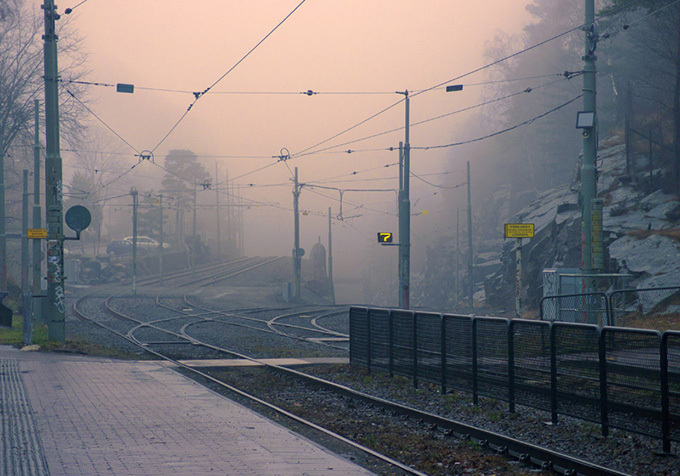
x=385, y=237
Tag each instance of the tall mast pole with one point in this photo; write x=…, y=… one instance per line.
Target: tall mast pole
x=56, y=305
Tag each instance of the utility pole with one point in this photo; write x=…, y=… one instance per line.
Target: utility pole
x=133, y=192
x=405, y=217
x=331, y=287
x=37, y=219
x=470, y=255
x=218, y=217
x=588, y=173
x=26, y=293
x=160, y=241
x=297, y=252
x=56, y=306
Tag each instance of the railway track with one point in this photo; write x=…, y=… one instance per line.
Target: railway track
x=177, y=330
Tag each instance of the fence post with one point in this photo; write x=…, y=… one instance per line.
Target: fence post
x=665, y=403
x=511, y=366
x=415, y=350
x=604, y=410
x=368, y=341
x=553, y=373
x=473, y=340
x=442, y=338
x=390, y=330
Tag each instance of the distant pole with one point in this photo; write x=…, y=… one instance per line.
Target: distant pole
x=193, y=239
x=230, y=248
x=133, y=192
x=37, y=219
x=588, y=173
x=241, y=228
x=160, y=241
x=470, y=254
x=218, y=217
x=331, y=287
x=55, y=305
x=297, y=259
x=456, y=287
x=405, y=215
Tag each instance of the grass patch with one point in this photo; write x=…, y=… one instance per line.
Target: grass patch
x=76, y=345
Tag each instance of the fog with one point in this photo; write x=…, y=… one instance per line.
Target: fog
x=370, y=49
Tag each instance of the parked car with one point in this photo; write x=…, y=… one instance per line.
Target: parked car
x=119, y=247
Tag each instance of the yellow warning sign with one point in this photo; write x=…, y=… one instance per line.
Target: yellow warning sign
x=36, y=233
x=519, y=230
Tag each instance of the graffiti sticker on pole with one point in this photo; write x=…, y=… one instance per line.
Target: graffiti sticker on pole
x=519, y=230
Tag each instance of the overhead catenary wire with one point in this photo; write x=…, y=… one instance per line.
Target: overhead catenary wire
x=199, y=95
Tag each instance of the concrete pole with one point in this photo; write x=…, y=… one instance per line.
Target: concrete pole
x=297, y=259
x=37, y=218
x=405, y=217
x=588, y=173
x=217, y=213
x=134, y=193
x=160, y=241
x=331, y=287
x=470, y=251
x=241, y=229
x=55, y=305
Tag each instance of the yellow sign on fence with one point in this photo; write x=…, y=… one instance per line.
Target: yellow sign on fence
x=519, y=230
x=36, y=233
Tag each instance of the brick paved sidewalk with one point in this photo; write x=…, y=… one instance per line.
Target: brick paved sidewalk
x=104, y=417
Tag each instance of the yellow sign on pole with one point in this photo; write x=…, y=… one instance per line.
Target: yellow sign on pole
x=519, y=230
x=36, y=233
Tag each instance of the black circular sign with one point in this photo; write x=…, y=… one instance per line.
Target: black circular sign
x=78, y=218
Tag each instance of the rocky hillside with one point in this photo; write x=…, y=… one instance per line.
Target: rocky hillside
x=640, y=230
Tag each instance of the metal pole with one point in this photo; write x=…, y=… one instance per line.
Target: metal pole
x=331, y=287
x=242, y=246
x=55, y=306
x=400, y=213
x=229, y=217
x=133, y=192
x=25, y=288
x=588, y=178
x=470, y=254
x=193, y=239
x=37, y=212
x=24, y=237
x=405, y=216
x=296, y=250
x=160, y=241
x=456, y=287
x=218, y=217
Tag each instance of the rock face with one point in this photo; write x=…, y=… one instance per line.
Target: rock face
x=640, y=231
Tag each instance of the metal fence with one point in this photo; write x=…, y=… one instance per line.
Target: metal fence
x=615, y=377
x=620, y=308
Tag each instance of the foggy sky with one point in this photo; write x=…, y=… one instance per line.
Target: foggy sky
x=326, y=46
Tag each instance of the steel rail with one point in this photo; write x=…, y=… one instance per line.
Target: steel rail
x=252, y=398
